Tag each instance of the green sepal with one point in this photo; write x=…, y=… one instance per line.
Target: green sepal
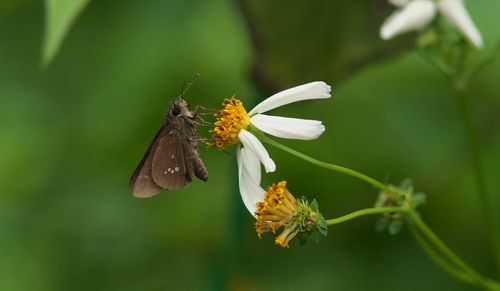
x=395, y=227
x=314, y=205
x=302, y=239
x=315, y=237
x=406, y=184
x=419, y=198
x=382, y=224
x=323, y=226
x=427, y=38
x=308, y=221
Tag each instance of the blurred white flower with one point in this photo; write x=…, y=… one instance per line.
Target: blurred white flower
x=455, y=13
x=414, y=15
x=399, y=3
x=233, y=122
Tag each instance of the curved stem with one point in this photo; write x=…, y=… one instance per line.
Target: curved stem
x=423, y=228
x=363, y=212
x=468, y=274
x=470, y=74
x=327, y=165
x=459, y=81
x=484, y=198
x=438, y=260
x=441, y=246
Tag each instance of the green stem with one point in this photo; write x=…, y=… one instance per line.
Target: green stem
x=441, y=246
x=484, y=198
x=424, y=229
x=438, y=260
x=363, y=212
x=327, y=165
x=474, y=71
x=438, y=63
x=459, y=81
x=469, y=276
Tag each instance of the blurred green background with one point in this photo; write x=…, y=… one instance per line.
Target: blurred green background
x=72, y=134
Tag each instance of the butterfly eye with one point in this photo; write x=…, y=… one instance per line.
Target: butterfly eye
x=176, y=111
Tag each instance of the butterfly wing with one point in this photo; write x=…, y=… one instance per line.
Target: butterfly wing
x=195, y=161
x=172, y=159
x=142, y=182
x=170, y=168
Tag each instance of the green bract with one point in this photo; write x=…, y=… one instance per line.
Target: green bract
x=401, y=196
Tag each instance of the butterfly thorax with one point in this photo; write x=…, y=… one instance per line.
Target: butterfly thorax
x=179, y=118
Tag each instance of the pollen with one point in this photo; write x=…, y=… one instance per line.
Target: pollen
x=277, y=210
x=230, y=121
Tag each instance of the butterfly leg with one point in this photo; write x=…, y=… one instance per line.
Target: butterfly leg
x=206, y=109
x=203, y=122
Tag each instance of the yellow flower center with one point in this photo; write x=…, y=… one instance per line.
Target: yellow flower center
x=230, y=121
x=278, y=208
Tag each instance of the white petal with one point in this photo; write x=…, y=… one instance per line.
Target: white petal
x=399, y=3
x=250, y=190
x=313, y=90
x=285, y=127
x=251, y=163
x=414, y=16
x=253, y=144
x=454, y=11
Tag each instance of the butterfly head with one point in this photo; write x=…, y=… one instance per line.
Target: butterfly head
x=179, y=108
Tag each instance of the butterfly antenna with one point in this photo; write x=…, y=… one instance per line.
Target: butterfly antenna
x=189, y=85
x=205, y=97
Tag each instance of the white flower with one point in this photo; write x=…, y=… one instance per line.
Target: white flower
x=233, y=122
x=414, y=15
x=455, y=13
x=249, y=179
x=399, y=3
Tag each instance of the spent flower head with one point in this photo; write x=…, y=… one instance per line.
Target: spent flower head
x=235, y=126
x=280, y=209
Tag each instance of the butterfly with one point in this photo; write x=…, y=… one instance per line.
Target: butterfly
x=172, y=159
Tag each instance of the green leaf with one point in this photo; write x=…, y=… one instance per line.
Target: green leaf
x=59, y=16
x=395, y=227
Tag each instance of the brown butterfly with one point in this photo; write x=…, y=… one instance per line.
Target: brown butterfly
x=171, y=160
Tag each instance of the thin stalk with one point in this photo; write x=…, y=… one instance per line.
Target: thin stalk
x=467, y=76
x=327, y=165
x=419, y=224
x=443, y=248
x=459, y=80
x=363, y=212
x=482, y=192
x=429, y=250
x=466, y=274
